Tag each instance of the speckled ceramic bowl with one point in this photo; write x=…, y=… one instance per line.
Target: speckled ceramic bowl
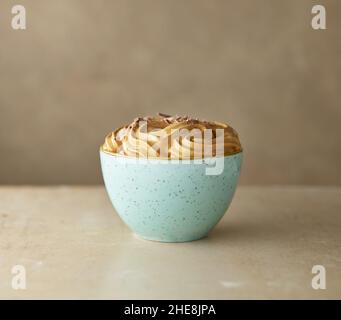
x=166, y=200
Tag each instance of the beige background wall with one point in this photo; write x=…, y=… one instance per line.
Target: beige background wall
x=84, y=67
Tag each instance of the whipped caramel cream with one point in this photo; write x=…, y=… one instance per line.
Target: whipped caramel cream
x=173, y=137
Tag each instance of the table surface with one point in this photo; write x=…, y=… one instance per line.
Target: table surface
x=73, y=245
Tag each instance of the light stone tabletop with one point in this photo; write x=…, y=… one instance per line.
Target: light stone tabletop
x=72, y=244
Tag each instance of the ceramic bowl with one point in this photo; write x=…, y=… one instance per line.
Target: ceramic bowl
x=170, y=200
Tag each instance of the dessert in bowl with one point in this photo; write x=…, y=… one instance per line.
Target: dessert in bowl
x=171, y=179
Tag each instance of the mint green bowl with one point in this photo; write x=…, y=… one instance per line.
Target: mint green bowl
x=170, y=200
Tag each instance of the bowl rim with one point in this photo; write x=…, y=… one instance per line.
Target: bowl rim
x=122, y=156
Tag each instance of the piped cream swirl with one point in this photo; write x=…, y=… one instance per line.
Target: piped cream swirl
x=168, y=137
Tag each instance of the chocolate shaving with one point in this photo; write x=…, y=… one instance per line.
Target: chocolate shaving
x=164, y=115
